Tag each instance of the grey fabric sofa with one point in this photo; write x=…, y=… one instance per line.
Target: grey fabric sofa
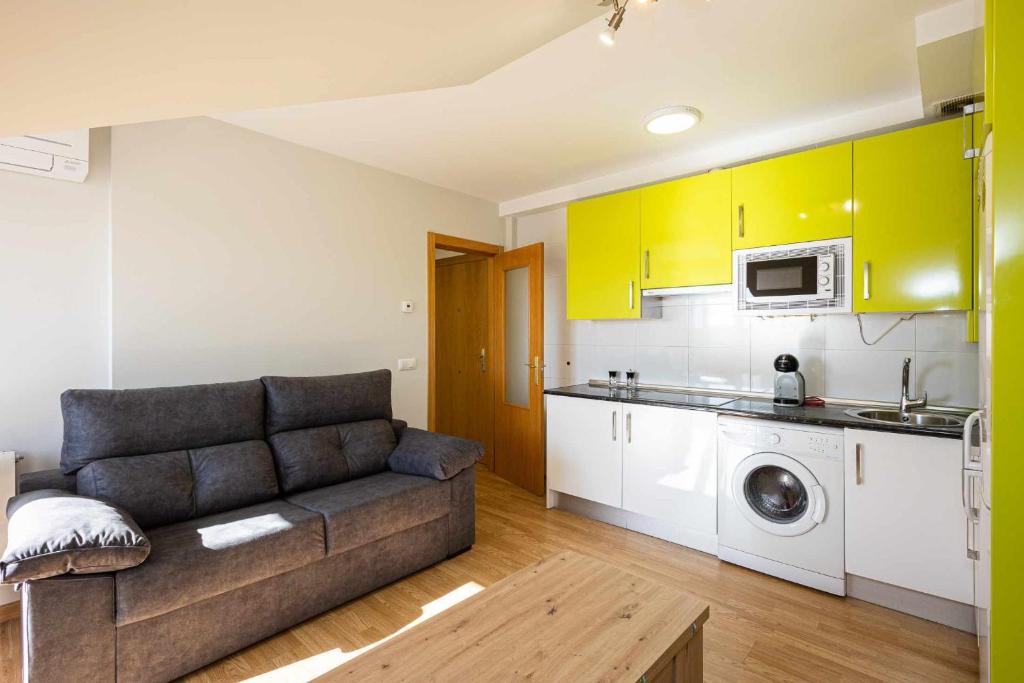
x=265, y=503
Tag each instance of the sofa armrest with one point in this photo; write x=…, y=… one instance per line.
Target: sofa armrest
x=52, y=532
x=47, y=479
x=428, y=454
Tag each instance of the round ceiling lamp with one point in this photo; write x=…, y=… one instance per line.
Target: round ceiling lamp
x=672, y=120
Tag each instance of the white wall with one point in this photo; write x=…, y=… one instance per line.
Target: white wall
x=701, y=341
x=54, y=300
x=54, y=305
x=237, y=255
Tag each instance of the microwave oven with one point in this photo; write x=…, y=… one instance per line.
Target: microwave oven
x=790, y=279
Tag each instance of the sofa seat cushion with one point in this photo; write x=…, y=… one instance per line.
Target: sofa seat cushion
x=365, y=510
x=203, y=557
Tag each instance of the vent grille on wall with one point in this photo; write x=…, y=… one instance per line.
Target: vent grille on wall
x=955, y=105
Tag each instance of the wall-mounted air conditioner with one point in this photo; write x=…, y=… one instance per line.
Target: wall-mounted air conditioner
x=63, y=155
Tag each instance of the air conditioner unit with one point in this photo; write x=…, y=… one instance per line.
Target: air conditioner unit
x=63, y=155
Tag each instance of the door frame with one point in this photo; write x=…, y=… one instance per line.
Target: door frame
x=466, y=246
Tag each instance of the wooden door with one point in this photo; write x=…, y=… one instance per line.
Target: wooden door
x=584, y=448
x=905, y=521
x=519, y=367
x=464, y=394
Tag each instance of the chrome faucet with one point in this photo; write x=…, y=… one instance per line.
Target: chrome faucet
x=906, y=403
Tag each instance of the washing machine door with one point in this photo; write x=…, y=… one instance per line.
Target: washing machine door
x=777, y=494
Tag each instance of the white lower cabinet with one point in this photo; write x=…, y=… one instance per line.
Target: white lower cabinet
x=905, y=521
x=669, y=465
x=584, y=450
x=657, y=465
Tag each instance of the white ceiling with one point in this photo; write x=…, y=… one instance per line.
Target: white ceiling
x=572, y=109
x=87, y=64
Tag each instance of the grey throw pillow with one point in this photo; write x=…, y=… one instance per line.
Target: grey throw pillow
x=428, y=454
x=52, y=532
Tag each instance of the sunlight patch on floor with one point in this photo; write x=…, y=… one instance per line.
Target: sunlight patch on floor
x=313, y=667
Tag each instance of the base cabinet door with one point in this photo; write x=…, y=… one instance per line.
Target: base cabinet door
x=584, y=449
x=669, y=465
x=905, y=521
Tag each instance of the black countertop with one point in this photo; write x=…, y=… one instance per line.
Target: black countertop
x=829, y=415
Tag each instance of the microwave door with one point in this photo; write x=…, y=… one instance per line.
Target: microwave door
x=773, y=279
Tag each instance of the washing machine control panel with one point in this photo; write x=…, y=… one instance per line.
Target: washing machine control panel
x=828, y=445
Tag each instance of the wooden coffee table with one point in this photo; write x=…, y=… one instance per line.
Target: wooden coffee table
x=568, y=617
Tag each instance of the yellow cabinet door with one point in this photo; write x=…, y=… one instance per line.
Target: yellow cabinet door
x=913, y=221
x=603, y=257
x=685, y=232
x=799, y=197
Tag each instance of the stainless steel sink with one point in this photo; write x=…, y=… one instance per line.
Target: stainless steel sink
x=917, y=418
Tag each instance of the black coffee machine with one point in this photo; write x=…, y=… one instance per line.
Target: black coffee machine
x=789, y=383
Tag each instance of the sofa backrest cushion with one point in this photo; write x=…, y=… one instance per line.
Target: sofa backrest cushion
x=321, y=456
x=164, y=488
x=305, y=402
x=105, y=423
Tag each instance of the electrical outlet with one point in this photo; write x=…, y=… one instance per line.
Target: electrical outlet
x=406, y=364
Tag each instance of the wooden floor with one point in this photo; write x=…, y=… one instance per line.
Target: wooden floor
x=761, y=629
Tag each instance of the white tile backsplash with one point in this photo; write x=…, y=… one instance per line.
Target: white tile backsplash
x=701, y=341
x=715, y=326
x=722, y=368
x=949, y=377
x=868, y=374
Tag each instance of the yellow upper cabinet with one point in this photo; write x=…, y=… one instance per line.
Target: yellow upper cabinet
x=685, y=232
x=912, y=236
x=794, y=198
x=603, y=257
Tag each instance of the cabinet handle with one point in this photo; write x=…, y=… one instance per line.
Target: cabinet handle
x=972, y=550
x=647, y=264
x=867, y=280
x=629, y=427
x=970, y=454
x=483, y=360
x=859, y=464
x=615, y=420
x=740, y=217
x=631, y=295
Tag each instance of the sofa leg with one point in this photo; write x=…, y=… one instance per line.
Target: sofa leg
x=67, y=627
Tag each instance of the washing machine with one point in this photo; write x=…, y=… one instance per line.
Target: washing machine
x=780, y=500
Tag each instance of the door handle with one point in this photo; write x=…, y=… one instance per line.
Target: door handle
x=741, y=215
x=631, y=295
x=483, y=360
x=536, y=370
x=615, y=421
x=859, y=464
x=867, y=280
x=629, y=427
x=647, y=264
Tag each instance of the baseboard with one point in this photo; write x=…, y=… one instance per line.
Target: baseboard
x=658, y=528
x=948, y=612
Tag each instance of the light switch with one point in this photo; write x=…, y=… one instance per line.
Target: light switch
x=407, y=307
x=406, y=364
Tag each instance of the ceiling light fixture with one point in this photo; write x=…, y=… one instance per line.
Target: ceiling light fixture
x=672, y=120
x=607, y=36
